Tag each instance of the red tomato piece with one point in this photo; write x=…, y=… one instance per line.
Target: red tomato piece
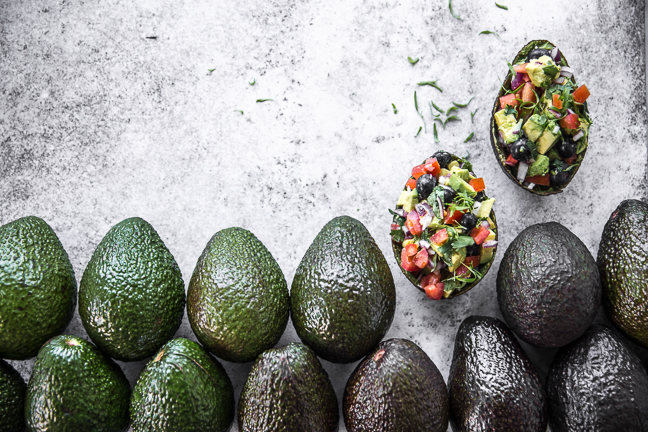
x=479, y=234
x=394, y=226
x=555, y=101
x=478, y=184
x=510, y=99
x=472, y=261
x=430, y=279
x=581, y=94
x=511, y=161
x=412, y=223
x=520, y=68
x=572, y=159
x=418, y=171
x=432, y=166
x=542, y=180
x=526, y=78
x=440, y=237
x=421, y=259
x=435, y=291
x=411, y=183
x=452, y=218
x=411, y=249
x=570, y=122
x=527, y=93
x=462, y=270
x=407, y=262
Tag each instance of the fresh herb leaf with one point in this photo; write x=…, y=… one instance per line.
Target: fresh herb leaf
x=442, y=111
x=472, y=115
x=419, y=113
x=454, y=15
x=436, y=195
x=510, y=66
x=487, y=32
x=547, y=45
x=430, y=83
x=416, y=103
x=451, y=118
x=263, y=100
x=463, y=105
x=241, y=111
x=413, y=61
x=501, y=6
x=452, y=108
x=462, y=242
x=397, y=235
x=397, y=218
x=468, y=139
x=436, y=135
x=395, y=110
x=419, y=131
x=510, y=110
x=211, y=70
x=452, y=285
x=253, y=82
x=445, y=249
x=550, y=70
x=432, y=112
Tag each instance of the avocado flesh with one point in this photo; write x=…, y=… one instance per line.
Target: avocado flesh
x=12, y=399
x=37, y=284
x=237, y=302
x=597, y=384
x=623, y=265
x=548, y=286
x=396, y=388
x=343, y=296
x=492, y=383
x=287, y=390
x=74, y=387
x=532, y=128
x=182, y=389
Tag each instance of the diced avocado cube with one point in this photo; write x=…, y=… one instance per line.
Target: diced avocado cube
x=533, y=127
x=507, y=124
x=540, y=167
x=444, y=172
x=535, y=69
x=408, y=199
x=485, y=208
x=458, y=257
x=553, y=154
x=459, y=185
x=547, y=139
x=453, y=164
x=464, y=174
x=436, y=223
x=486, y=254
x=491, y=222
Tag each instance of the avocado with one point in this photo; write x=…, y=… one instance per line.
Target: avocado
x=486, y=254
x=540, y=167
x=507, y=124
x=597, y=384
x=458, y=257
x=548, y=286
x=37, y=286
x=74, y=387
x=12, y=399
x=537, y=73
x=343, y=296
x=485, y=208
x=131, y=297
x=238, y=302
x=396, y=388
x=458, y=184
x=534, y=127
x=408, y=199
x=287, y=390
x=182, y=389
x=492, y=383
x=548, y=138
x=463, y=174
x=623, y=264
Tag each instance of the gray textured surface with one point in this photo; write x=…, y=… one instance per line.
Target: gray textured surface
x=99, y=123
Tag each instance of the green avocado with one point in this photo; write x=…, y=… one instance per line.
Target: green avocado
x=131, y=297
x=287, y=390
x=12, y=399
x=534, y=127
x=492, y=383
x=540, y=167
x=37, y=287
x=182, y=389
x=597, y=384
x=238, y=303
x=548, y=138
x=396, y=388
x=74, y=387
x=623, y=266
x=548, y=286
x=343, y=296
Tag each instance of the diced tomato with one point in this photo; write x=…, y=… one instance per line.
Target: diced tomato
x=556, y=101
x=509, y=99
x=542, y=180
x=412, y=223
x=411, y=249
x=452, y=218
x=407, y=261
x=411, y=183
x=421, y=258
x=440, y=237
x=435, y=291
x=527, y=93
x=520, y=68
x=581, y=94
x=432, y=166
x=430, y=279
x=462, y=270
x=511, y=161
x=526, y=78
x=570, y=122
x=472, y=261
x=479, y=234
x=571, y=160
x=394, y=227
x=418, y=171
x=478, y=184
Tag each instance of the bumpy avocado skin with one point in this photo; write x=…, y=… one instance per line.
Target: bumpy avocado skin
x=37, y=286
x=597, y=384
x=182, y=389
x=343, y=296
x=396, y=388
x=74, y=387
x=492, y=383
x=238, y=303
x=623, y=265
x=131, y=297
x=548, y=286
x=287, y=390
x=12, y=399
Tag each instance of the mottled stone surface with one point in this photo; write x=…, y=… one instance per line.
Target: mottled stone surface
x=109, y=111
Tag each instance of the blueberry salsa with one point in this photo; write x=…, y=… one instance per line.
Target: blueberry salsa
x=444, y=233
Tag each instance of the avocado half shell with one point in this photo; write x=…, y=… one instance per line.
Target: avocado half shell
x=499, y=154
x=396, y=248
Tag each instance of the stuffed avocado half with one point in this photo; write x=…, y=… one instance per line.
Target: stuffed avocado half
x=540, y=122
x=444, y=232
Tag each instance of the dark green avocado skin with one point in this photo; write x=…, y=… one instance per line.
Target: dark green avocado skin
x=37, y=287
x=623, y=265
x=492, y=383
x=396, y=388
x=597, y=384
x=131, y=297
x=238, y=303
x=182, y=389
x=343, y=296
x=74, y=387
x=548, y=286
x=287, y=390
x=12, y=399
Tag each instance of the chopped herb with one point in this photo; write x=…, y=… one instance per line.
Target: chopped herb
x=253, y=82
x=263, y=100
x=413, y=61
x=472, y=115
x=430, y=83
x=501, y=6
x=395, y=110
x=419, y=131
x=452, y=108
x=436, y=195
x=454, y=15
x=468, y=139
x=451, y=118
x=211, y=70
x=510, y=110
x=241, y=111
x=550, y=70
x=437, y=108
x=463, y=105
x=436, y=135
x=397, y=218
x=462, y=242
x=510, y=66
x=432, y=112
x=487, y=32
x=151, y=37
x=419, y=113
x=397, y=235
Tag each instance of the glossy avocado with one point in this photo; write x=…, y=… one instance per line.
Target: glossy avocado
x=182, y=389
x=343, y=295
x=131, y=297
x=238, y=303
x=74, y=387
x=597, y=383
x=493, y=385
x=12, y=399
x=37, y=284
x=623, y=264
x=396, y=388
x=287, y=390
x=548, y=286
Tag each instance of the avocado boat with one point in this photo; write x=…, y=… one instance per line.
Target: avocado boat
x=444, y=232
x=540, y=121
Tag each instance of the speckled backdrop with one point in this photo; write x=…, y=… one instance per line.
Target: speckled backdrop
x=131, y=108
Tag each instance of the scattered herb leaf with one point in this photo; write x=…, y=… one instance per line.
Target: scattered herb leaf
x=468, y=139
x=451, y=118
x=432, y=112
x=395, y=110
x=419, y=131
x=463, y=105
x=501, y=6
x=241, y=111
x=413, y=61
x=454, y=15
x=416, y=103
x=487, y=32
x=151, y=37
x=436, y=135
x=431, y=83
x=452, y=108
x=437, y=108
x=472, y=115
x=253, y=82
x=211, y=70
x=263, y=100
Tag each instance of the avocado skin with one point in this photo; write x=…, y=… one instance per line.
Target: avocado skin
x=597, y=384
x=131, y=297
x=182, y=389
x=238, y=303
x=492, y=383
x=12, y=399
x=548, y=286
x=343, y=296
x=396, y=388
x=38, y=287
x=76, y=388
x=287, y=390
x=623, y=264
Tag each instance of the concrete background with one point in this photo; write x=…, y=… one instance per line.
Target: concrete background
x=110, y=111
